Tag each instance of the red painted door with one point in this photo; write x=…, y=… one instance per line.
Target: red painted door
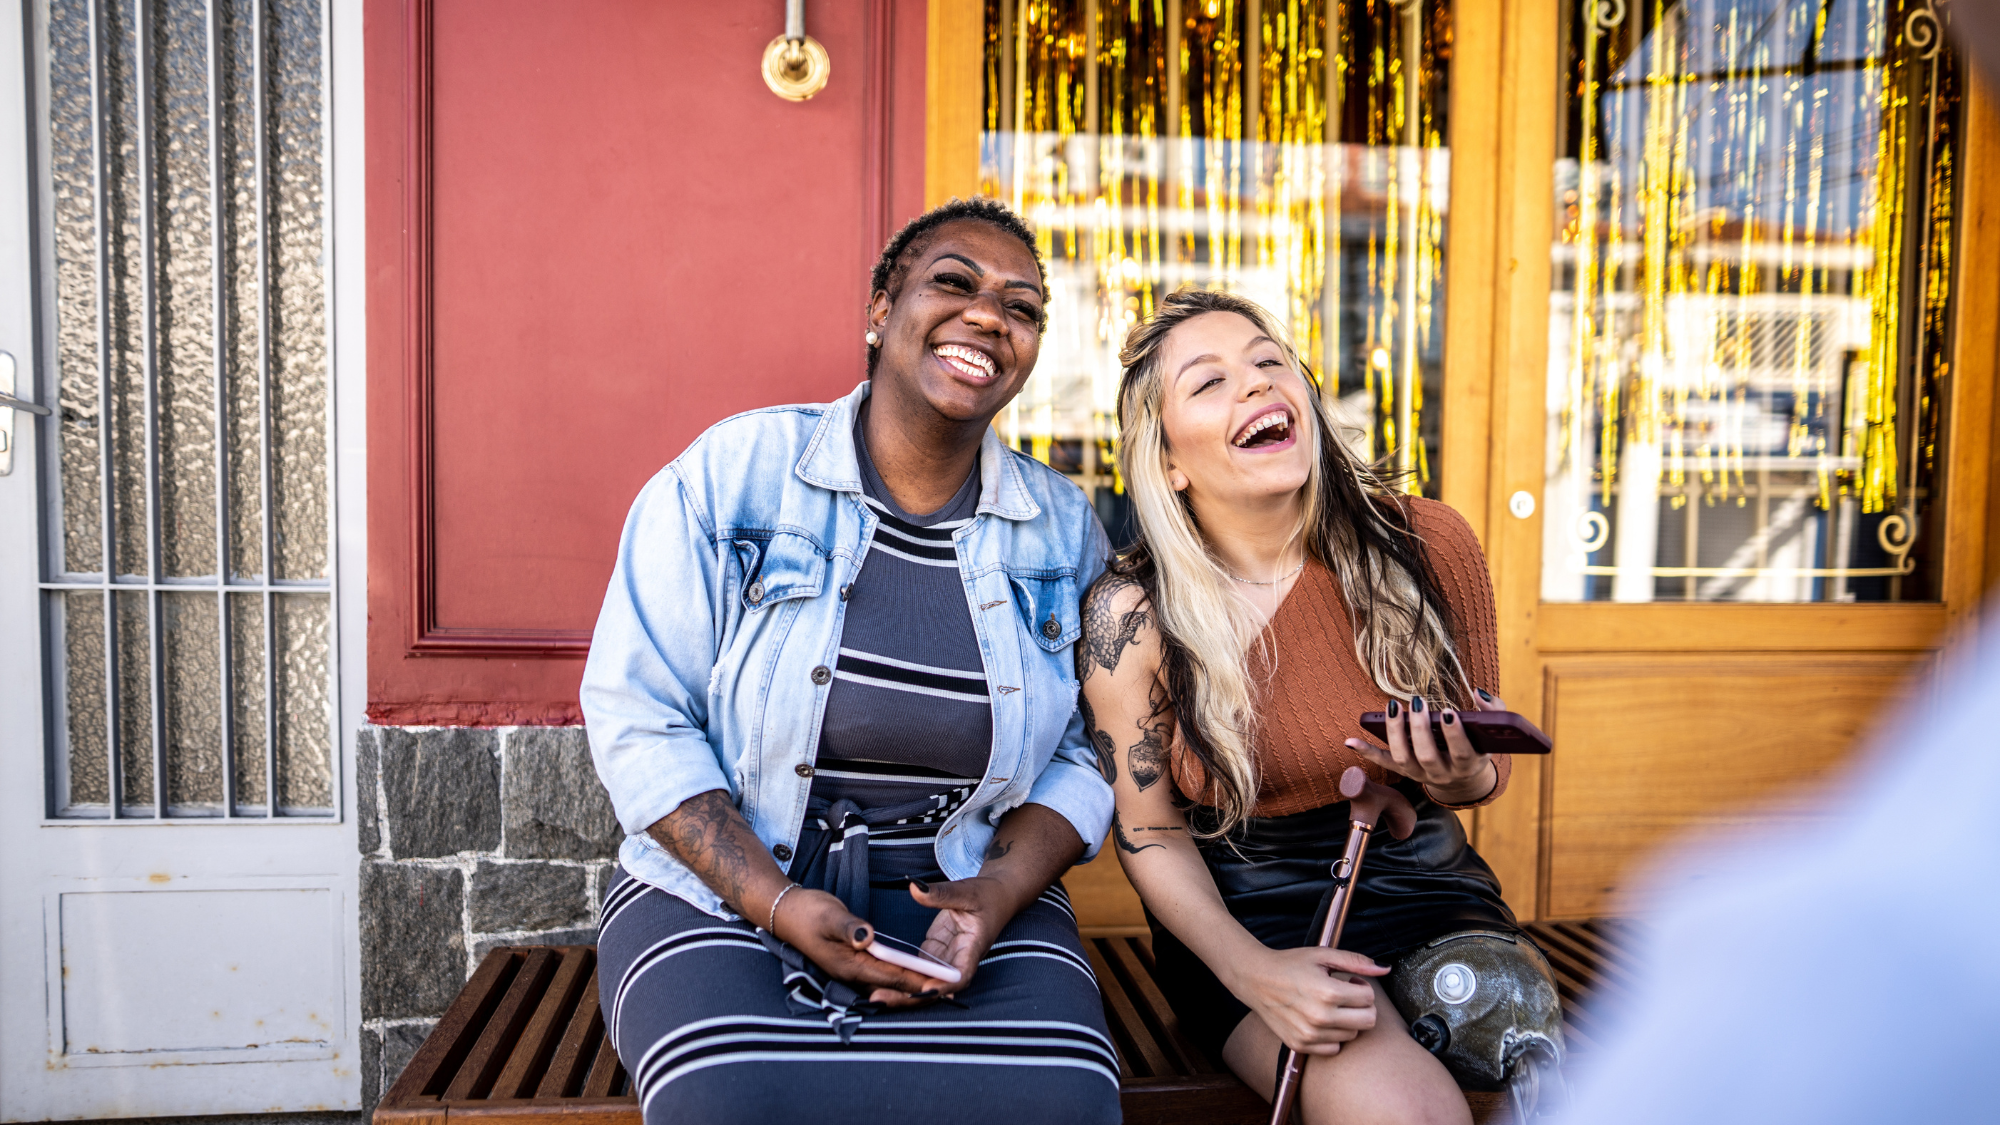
x=592, y=232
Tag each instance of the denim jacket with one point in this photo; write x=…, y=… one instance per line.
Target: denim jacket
x=711, y=662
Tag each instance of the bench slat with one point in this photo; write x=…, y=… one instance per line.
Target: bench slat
x=489, y=1054
x=431, y=1069
x=578, y=1046
x=606, y=1073
x=1138, y=1055
x=1137, y=976
x=524, y=1064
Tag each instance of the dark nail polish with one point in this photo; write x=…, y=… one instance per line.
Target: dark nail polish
x=1395, y=709
x=921, y=885
x=1449, y=718
x=924, y=995
x=1417, y=704
x=860, y=933
x=1484, y=694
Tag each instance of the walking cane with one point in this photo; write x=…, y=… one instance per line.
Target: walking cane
x=1368, y=804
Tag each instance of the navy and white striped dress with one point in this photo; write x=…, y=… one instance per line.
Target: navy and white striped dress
x=719, y=1022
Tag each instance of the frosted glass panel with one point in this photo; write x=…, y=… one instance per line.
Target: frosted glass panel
x=193, y=701
x=185, y=183
x=126, y=340
x=135, y=700
x=305, y=710
x=73, y=200
x=246, y=686
x=83, y=699
x=298, y=303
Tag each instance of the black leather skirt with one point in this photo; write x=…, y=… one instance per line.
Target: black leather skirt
x=1276, y=875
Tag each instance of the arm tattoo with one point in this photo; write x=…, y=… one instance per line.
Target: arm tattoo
x=703, y=834
x=1107, y=635
x=1125, y=843
x=1100, y=743
x=997, y=850
x=1147, y=758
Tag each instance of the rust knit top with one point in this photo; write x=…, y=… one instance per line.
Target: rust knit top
x=1314, y=696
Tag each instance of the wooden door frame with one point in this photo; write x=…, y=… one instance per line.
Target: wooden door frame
x=1496, y=360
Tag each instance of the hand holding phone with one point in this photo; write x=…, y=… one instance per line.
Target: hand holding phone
x=903, y=955
x=1490, y=732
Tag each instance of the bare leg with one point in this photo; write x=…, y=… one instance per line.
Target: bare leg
x=1381, y=1077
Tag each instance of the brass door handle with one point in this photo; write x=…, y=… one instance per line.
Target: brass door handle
x=795, y=65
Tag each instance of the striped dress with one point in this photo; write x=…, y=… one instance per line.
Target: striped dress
x=718, y=1021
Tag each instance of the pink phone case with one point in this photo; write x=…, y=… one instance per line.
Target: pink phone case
x=1491, y=732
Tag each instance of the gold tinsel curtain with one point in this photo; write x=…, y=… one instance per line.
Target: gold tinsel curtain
x=1290, y=150
x=1754, y=269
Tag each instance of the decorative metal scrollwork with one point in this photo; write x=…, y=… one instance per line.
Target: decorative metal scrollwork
x=1592, y=531
x=1922, y=31
x=1897, y=533
x=1607, y=14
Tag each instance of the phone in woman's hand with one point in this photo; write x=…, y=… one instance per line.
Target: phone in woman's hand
x=906, y=956
x=1490, y=732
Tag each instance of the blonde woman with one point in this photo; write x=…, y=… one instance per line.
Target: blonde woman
x=1276, y=592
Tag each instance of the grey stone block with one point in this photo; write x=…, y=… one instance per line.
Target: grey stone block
x=412, y=939
x=442, y=788
x=586, y=935
x=604, y=875
x=365, y=812
x=555, y=806
x=528, y=896
x=399, y=1045
x=371, y=1069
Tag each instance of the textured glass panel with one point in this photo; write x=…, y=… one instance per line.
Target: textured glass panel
x=135, y=701
x=83, y=698
x=73, y=199
x=183, y=289
x=246, y=690
x=1290, y=152
x=237, y=131
x=1754, y=279
x=192, y=638
x=126, y=294
x=298, y=298
x=305, y=707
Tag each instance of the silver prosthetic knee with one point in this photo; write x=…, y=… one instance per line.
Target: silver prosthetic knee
x=1485, y=1004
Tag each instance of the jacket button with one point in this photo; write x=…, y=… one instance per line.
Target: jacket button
x=782, y=851
x=803, y=770
x=1050, y=629
x=755, y=593
x=821, y=675
x=846, y=590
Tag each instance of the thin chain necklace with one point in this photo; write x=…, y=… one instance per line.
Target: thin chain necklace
x=1272, y=582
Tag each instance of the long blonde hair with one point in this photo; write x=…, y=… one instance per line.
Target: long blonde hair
x=1351, y=521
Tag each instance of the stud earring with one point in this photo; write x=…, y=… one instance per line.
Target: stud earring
x=874, y=341
x=1178, y=479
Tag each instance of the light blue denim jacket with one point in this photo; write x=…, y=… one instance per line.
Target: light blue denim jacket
x=710, y=665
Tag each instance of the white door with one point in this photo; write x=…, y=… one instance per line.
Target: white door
x=176, y=876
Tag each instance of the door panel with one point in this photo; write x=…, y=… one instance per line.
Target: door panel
x=1655, y=746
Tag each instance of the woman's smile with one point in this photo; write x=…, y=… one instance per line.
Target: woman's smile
x=1268, y=430
x=969, y=360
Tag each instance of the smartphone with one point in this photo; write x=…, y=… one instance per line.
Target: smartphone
x=1490, y=732
x=904, y=955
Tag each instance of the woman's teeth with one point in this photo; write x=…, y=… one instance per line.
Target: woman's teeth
x=1280, y=419
x=973, y=363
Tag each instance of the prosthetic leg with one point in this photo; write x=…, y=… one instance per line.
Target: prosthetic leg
x=1485, y=1004
x=1368, y=804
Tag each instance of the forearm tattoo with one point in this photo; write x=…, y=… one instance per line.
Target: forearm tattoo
x=998, y=850
x=1125, y=843
x=1106, y=635
x=706, y=833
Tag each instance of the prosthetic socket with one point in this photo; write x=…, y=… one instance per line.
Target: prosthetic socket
x=1485, y=1004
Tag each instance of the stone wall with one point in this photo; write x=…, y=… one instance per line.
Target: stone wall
x=470, y=838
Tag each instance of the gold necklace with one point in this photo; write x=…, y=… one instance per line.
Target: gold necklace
x=1272, y=582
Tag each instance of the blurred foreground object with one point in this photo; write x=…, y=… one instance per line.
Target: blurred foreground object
x=1847, y=971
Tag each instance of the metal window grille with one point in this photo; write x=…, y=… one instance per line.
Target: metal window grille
x=189, y=491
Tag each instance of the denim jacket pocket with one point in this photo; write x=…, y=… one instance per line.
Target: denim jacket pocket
x=1047, y=601
x=777, y=568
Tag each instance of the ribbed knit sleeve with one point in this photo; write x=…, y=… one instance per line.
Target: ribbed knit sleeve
x=1461, y=572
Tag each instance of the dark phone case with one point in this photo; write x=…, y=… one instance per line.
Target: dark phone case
x=1491, y=732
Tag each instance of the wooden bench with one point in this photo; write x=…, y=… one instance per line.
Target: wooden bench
x=524, y=1042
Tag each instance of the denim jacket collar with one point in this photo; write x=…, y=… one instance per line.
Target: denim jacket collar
x=830, y=462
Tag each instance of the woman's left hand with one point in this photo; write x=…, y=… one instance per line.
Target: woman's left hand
x=971, y=914
x=1455, y=773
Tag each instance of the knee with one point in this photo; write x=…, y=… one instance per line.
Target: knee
x=1385, y=1098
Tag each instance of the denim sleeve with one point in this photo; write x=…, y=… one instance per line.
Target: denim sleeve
x=1071, y=783
x=645, y=684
